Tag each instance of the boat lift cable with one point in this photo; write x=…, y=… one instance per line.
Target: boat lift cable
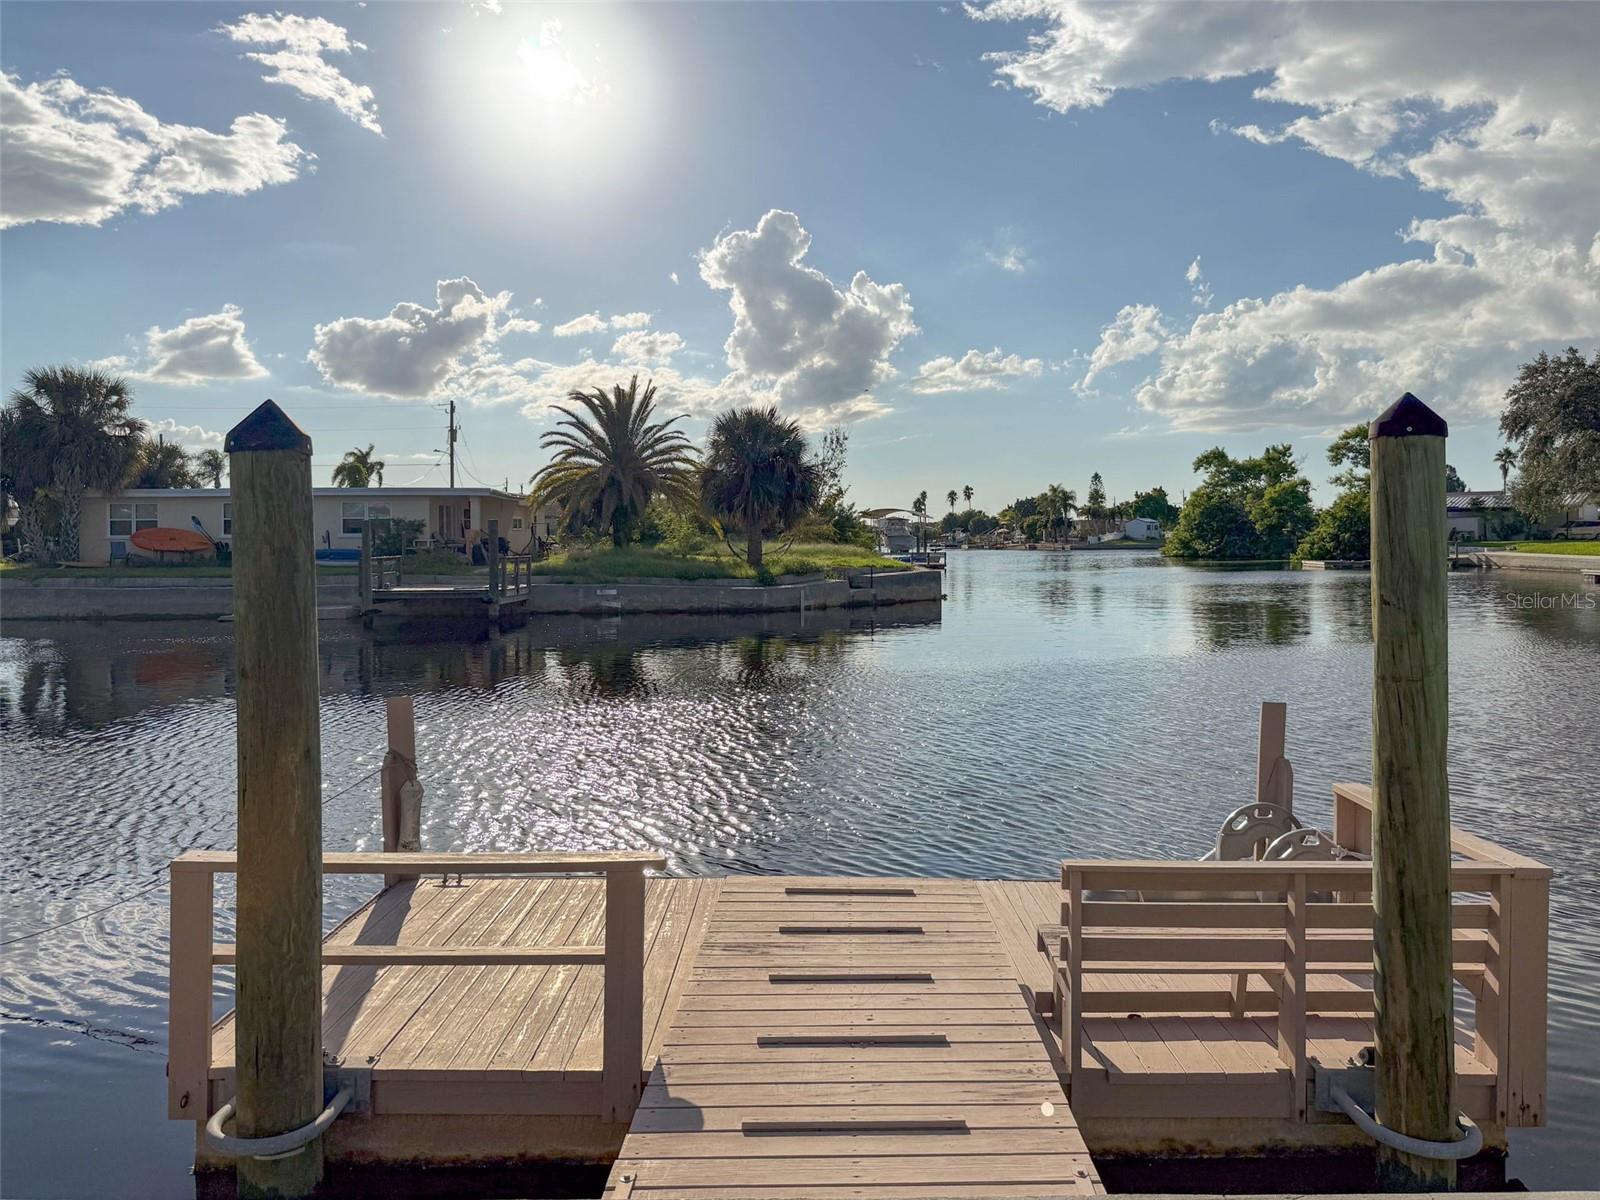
x=278, y=1145
x=160, y=883
x=1468, y=1144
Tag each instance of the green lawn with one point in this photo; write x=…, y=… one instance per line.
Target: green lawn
x=1530, y=547
x=642, y=562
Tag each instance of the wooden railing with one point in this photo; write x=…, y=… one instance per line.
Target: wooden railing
x=195, y=954
x=510, y=575
x=1305, y=929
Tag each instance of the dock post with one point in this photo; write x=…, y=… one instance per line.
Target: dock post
x=364, y=586
x=402, y=791
x=279, y=987
x=1274, y=781
x=1411, y=793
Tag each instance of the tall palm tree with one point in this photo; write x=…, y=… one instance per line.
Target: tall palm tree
x=966, y=494
x=952, y=496
x=1505, y=458
x=358, y=469
x=68, y=430
x=919, y=509
x=759, y=476
x=211, y=464
x=1058, y=506
x=612, y=460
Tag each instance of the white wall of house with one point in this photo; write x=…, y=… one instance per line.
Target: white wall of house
x=447, y=515
x=1142, y=529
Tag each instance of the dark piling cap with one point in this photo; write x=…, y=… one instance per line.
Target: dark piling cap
x=268, y=428
x=1408, y=417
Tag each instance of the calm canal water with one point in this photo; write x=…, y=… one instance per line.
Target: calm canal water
x=1083, y=704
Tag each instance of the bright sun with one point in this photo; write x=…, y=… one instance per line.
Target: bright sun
x=549, y=72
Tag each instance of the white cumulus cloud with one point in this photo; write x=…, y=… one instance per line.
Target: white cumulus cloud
x=974, y=371
x=1492, y=107
x=300, y=63
x=415, y=350
x=190, y=437
x=642, y=346
x=593, y=322
x=200, y=350
x=79, y=157
x=1137, y=331
x=816, y=348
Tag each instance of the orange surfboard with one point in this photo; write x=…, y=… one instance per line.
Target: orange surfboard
x=161, y=538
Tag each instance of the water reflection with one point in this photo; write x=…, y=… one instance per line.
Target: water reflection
x=1071, y=704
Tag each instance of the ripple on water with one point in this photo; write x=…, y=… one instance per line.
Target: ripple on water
x=1059, y=705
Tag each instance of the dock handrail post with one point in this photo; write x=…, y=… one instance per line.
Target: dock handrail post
x=1072, y=993
x=364, y=587
x=1410, y=793
x=1273, y=781
x=189, y=994
x=402, y=804
x=492, y=557
x=622, y=1064
x=278, y=1017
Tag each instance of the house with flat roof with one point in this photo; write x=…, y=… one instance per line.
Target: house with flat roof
x=449, y=517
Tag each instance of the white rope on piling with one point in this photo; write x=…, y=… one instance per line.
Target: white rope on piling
x=1468, y=1144
x=279, y=1145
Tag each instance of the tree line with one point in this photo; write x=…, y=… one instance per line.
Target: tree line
x=1260, y=507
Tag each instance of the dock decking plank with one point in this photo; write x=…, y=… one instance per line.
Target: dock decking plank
x=820, y=1064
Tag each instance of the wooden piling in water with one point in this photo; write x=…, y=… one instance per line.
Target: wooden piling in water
x=1411, y=799
x=279, y=1038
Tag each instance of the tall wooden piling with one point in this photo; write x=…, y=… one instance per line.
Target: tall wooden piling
x=1411, y=796
x=279, y=1013
x=400, y=787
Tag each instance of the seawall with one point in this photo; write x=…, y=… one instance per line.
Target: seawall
x=102, y=599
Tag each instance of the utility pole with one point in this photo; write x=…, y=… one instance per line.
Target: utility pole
x=1412, y=989
x=452, y=443
x=279, y=1011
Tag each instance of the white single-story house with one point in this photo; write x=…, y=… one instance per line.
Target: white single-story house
x=449, y=516
x=1474, y=515
x=1142, y=529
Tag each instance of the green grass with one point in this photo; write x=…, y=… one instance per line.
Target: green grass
x=1532, y=547
x=642, y=562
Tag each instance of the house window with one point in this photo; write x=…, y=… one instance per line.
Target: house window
x=125, y=518
x=227, y=518
x=516, y=522
x=354, y=512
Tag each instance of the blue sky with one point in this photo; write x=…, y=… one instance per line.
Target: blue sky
x=970, y=234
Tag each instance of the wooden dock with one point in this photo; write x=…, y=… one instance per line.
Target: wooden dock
x=797, y=1038
x=843, y=1034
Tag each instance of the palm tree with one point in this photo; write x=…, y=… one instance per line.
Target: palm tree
x=68, y=430
x=1505, y=458
x=163, y=465
x=759, y=476
x=919, y=509
x=358, y=469
x=211, y=464
x=1058, y=505
x=966, y=494
x=952, y=496
x=612, y=461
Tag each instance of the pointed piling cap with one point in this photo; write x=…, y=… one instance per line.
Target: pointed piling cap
x=268, y=428
x=1408, y=417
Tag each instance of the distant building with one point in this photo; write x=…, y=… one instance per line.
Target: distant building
x=450, y=517
x=1468, y=514
x=1142, y=529
x=1477, y=515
